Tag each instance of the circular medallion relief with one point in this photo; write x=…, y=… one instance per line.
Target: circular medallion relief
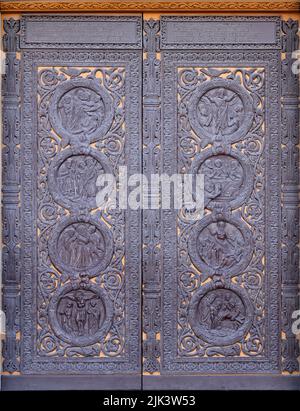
x=80, y=315
x=220, y=316
x=228, y=178
x=81, y=111
x=73, y=175
x=80, y=245
x=221, y=246
x=221, y=110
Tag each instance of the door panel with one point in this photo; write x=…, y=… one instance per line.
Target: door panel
x=220, y=279
x=226, y=265
x=81, y=277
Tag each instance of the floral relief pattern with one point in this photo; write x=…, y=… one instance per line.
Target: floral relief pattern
x=217, y=294
x=86, y=118
x=221, y=130
x=78, y=106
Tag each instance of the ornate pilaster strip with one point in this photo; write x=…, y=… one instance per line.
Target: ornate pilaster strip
x=11, y=185
x=151, y=217
x=290, y=187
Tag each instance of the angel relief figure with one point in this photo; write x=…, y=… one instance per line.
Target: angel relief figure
x=81, y=110
x=220, y=111
x=80, y=313
x=81, y=245
x=220, y=245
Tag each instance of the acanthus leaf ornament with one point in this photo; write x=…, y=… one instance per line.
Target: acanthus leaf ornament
x=152, y=5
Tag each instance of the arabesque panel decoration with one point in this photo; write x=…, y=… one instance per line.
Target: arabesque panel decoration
x=81, y=279
x=158, y=295
x=223, y=314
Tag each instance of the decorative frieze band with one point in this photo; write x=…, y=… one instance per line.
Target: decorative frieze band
x=152, y=5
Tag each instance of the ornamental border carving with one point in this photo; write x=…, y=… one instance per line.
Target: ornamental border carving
x=152, y=5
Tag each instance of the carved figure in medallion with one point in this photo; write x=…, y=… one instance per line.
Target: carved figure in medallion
x=77, y=177
x=222, y=310
x=220, y=245
x=73, y=177
x=81, y=110
x=80, y=314
x=228, y=177
x=221, y=314
x=224, y=177
x=80, y=245
x=220, y=110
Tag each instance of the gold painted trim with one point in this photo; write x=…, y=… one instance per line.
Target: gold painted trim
x=150, y=5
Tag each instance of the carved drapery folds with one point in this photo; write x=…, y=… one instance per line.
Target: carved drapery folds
x=11, y=188
x=290, y=190
x=151, y=217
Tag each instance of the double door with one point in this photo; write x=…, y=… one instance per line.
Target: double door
x=149, y=295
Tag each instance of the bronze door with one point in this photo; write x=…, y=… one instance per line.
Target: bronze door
x=153, y=297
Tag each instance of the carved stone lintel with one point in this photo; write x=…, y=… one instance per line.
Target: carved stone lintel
x=290, y=189
x=10, y=210
x=151, y=217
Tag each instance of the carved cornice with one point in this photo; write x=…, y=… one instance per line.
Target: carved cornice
x=150, y=5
